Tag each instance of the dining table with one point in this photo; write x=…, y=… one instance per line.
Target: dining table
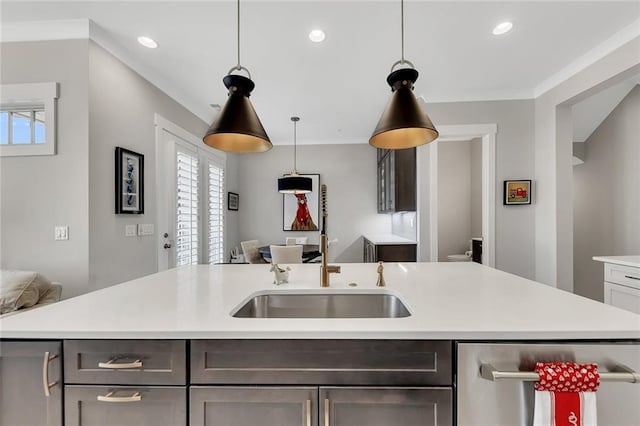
x=309, y=252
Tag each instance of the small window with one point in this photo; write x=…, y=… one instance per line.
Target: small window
x=24, y=126
x=27, y=119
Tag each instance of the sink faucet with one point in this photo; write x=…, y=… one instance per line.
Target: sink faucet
x=325, y=269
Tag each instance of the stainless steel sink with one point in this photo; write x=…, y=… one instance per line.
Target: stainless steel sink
x=316, y=305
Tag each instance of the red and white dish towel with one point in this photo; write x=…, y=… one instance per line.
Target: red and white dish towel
x=566, y=394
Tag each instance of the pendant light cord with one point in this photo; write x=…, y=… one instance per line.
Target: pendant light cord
x=401, y=30
x=295, y=151
x=239, y=67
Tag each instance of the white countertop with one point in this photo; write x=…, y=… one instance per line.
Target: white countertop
x=382, y=239
x=633, y=261
x=447, y=301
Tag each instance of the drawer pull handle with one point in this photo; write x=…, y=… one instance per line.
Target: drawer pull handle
x=112, y=364
x=632, y=277
x=326, y=412
x=308, y=407
x=45, y=374
x=110, y=398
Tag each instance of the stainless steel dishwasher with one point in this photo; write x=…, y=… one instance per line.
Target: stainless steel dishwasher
x=505, y=395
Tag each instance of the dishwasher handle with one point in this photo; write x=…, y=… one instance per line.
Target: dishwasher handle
x=619, y=373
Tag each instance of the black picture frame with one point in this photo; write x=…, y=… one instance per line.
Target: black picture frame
x=129, y=181
x=290, y=203
x=517, y=192
x=233, y=201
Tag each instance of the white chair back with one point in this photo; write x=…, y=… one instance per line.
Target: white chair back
x=292, y=241
x=286, y=254
x=250, y=251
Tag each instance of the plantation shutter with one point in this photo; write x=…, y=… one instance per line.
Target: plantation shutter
x=215, y=202
x=187, y=243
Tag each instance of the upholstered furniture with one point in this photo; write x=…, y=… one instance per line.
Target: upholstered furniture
x=286, y=254
x=25, y=289
x=250, y=251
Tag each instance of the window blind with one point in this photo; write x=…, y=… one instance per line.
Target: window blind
x=187, y=184
x=216, y=213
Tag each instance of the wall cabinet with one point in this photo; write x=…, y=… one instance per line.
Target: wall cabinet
x=389, y=252
x=24, y=368
x=396, y=180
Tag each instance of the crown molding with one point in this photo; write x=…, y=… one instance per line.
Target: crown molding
x=68, y=29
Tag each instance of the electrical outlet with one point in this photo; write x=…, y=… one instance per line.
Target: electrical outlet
x=145, y=229
x=61, y=233
x=130, y=231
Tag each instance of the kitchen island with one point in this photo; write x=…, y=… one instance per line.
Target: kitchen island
x=326, y=370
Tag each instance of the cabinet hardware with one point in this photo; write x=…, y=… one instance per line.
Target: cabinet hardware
x=112, y=364
x=632, y=277
x=45, y=374
x=308, y=412
x=110, y=398
x=618, y=373
x=326, y=412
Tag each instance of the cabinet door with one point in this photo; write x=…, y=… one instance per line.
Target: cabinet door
x=251, y=406
x=386, y=406
x=23, y=371
x=622, y=297
x=125, y=406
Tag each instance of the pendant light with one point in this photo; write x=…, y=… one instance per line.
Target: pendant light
x=403, y=124
x=237, y=127
x=294, y=183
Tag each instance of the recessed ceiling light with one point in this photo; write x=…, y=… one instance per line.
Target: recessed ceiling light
x=316, y=36
x=147, y=42
x=502, y=28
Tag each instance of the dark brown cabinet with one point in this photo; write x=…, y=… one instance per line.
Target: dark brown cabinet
x=388, y=252
x=396, y=180
x=30, y=383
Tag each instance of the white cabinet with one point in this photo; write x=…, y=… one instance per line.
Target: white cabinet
x=622, y=286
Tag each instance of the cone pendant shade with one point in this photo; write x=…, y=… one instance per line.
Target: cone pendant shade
x=403, y=124
x=237, y=127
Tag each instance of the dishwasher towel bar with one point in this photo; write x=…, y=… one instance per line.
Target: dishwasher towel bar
x=618, y=374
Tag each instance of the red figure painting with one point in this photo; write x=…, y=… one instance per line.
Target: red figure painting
x=303, y=220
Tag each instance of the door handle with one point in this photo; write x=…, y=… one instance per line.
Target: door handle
x=110, y=398
x=112, y=364
x=308, y=407
x=45, y=374
x=326, y=412
x=167, y=245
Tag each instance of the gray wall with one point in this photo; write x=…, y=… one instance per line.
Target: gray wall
x=121, y=113
x=40, y=192
x=607, y=196
x=349, y=171
x=514, y=160
x=454, y=198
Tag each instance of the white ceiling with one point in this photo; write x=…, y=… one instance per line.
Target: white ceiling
x=338, y=87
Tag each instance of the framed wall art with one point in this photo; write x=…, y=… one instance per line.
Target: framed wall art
x=517, y=192
x=129, y=182
x=301, y=212
x=233, y=201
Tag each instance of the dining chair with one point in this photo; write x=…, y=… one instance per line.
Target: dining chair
x=250, y=251
x=292, y=241
x=286, y=254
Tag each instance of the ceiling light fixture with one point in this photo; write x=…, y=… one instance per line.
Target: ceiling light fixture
x=317, y=36
x=237, y=127
x=403, y=124
x=147, y=42
x=502, y=28
x=294, y=183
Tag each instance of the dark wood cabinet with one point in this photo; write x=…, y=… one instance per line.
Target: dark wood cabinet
x=388, y=252
x=396, y=180
x=25, y=398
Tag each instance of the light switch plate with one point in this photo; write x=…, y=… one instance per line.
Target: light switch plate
x=61, y=233
x=145, y=229
x=130, y=231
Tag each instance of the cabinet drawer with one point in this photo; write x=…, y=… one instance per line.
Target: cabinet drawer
x=321, y=362
x=622, y=297
x=624, y=275
x=125, y=406
x=150, y=362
